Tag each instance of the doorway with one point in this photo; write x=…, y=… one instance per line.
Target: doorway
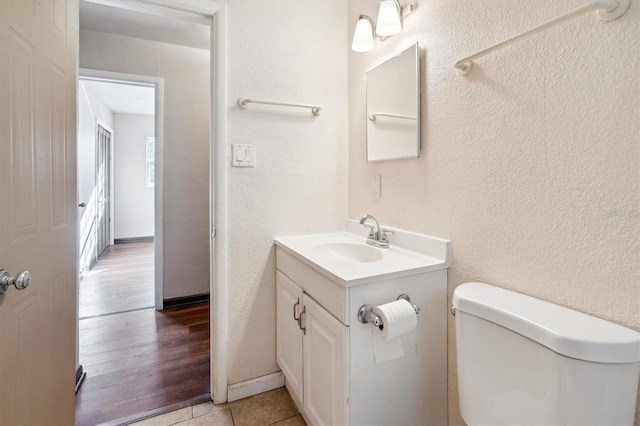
x=117, y=217
x=215, y=14
x=136, y=359
x=173, y=71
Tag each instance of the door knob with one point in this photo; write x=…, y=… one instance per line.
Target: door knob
x=82, y=205
x=20, y=281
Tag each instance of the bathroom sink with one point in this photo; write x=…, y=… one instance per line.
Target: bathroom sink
x=349, y=252
x=346, y=258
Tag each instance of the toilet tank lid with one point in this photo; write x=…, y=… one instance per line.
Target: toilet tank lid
x=562, y=330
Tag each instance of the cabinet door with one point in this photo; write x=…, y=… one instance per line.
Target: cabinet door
x=325, y=365
x=288, y=332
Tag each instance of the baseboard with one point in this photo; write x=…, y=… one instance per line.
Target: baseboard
x=149, y=239
x=80, y=375
x=186, y=300
x=255, y=386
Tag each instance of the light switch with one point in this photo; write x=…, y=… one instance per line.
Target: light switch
x=239, y=155
x=244, y=155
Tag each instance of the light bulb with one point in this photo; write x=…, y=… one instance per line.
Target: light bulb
x=388, y=19
x=362, y=36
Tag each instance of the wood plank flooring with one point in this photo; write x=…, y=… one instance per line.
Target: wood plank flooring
x=122, y=280
x=139, y=360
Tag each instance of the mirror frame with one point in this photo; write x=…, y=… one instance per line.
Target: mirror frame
x=417, y=49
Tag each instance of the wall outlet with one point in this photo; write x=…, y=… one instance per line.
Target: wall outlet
x=375, y=186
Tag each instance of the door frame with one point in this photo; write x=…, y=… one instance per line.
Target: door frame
x=158, y=84
x=215, y=11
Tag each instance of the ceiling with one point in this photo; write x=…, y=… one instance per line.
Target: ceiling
x=157, y=25
x=154, y=27
x=122, y=98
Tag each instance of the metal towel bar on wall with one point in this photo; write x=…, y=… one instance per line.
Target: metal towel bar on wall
x=373, y=116
x=608, y=10
x=315, y=109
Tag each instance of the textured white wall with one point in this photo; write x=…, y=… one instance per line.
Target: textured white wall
x=133, y=199
x=530, y=165
x=186, y=146
x=282, y=51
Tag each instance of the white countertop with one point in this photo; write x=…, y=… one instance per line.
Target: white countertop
x=409, y=253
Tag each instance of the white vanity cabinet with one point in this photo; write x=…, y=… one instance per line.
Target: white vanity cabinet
x=289, y=334
x=328, y=357
x=312, y=353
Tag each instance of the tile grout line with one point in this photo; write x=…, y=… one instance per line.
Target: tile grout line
x=227, y=406
x=282, y=420
x=233, y=420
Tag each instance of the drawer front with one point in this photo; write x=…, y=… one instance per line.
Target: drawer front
x=331, y=295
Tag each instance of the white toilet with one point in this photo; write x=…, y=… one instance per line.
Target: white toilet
x=524, y=361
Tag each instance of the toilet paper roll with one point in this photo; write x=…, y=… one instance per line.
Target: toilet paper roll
x=398, y=318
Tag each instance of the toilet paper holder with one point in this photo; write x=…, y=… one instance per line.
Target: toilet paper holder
x=366, y=315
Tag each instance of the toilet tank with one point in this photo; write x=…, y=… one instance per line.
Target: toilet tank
x=524, y=361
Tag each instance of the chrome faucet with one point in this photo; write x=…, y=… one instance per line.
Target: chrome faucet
x=377, y=236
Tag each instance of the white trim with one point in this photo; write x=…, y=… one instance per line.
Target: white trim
x=218, y=209
x=255, y=386
x=157, y=8
x=207, y=9
x=158, y=195
x=158, y=83
x=118, y=77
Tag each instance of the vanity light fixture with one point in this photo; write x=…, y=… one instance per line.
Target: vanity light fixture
x=363, y=34
x=389, y=23
x=389, y=18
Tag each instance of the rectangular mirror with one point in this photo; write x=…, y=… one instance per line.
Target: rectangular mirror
x=393, y=107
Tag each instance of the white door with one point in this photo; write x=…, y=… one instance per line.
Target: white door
x=289, y=333
x=325, y=365
x=38, y=43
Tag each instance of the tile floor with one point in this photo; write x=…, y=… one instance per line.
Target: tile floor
x=270, y=408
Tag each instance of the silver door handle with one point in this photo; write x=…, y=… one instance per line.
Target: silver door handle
x=20, y=281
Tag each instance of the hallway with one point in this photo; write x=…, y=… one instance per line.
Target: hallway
x=136, y=359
